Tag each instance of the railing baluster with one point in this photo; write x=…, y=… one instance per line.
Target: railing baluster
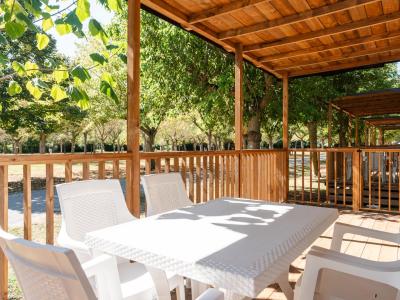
x=4, y=225
x=232, y=175
x=157, y=165
x=68, y=171
x=191, y=179
x=335, y=175
x=49, y=204
x=227, y=175
x=217, y=176
x=295, y=176
x=211, y=178
x=147, y=166
x=390, y=182
x=167, y=165
x=85, y=170
x=27, y=202
x=379, y=179
x=101, y=166
x=311, y=175
x=176, y=164
x=204, y=181
x=302, y=176
x=344, y=179
x=183, y=171
x=369, y=180
x=319, y=176
x=327, y=166
x=198, y=179
x=116, y=169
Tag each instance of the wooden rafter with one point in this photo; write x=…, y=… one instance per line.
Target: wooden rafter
x=338, y=57
x=384, y=121
x=334, y=46
x=345, y=66
x=295, y=18
x=325, y=32
x=222, y=10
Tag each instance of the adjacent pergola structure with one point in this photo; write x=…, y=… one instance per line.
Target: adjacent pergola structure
x=377, y=109
x=285, y=38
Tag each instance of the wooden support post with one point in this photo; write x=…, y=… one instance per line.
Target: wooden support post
x=373, y=136
x=330, y=116
x=357, y=180
x=27, y=202
x=4, y=225
x=356, y=133
x=238, y=113
x=366, y=135
x=133, y=118
x=50, y=204
x=285, y=133
x=381, y=139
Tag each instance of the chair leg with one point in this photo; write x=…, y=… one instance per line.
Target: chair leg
x=283, y=282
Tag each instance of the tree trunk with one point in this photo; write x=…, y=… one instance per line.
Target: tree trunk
x=343, y=129
x=85, y=137
x=42, y=143
x=312, y=133
x=270, y=143
x=73, y=146
x=254, y=133
x=209, y=141
x=149, y=141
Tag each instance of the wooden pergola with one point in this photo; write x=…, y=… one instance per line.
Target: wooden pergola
x=376, y=108
x=286, y=39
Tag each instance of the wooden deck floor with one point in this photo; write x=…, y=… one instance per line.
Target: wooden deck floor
x=354, y=245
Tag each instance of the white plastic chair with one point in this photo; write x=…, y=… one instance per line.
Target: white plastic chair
x=164, y=192
x=47, y=272
x=330, y=274
x=95, y=204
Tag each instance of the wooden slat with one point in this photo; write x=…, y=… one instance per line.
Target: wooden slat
x=27, y=202
x=204, y=182
x=85, y=170
x=176, y=164
x=167, y=165
x=294, y=18
x=370, y=180
x=311, y=175
x=68, y=171
x=198, y=180
x=4, y=225
x=324, y=32
x=295, y=174
x=183, y=172
x=147, y=166
x=157, y=168
x=49, y=204
x=390, y=183
x=116, y=169
x=232, y=160
x=302, y=176
x=217, y=176
x=344, y=179
x=191, y=179
x=319, y=176
x=101, y=170
x=335, y=176
x=211, y=175
x=228, y=179
x=222, y=10
x=237, y=192
x=379, y=179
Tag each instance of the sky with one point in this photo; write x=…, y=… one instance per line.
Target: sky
x=66, y=44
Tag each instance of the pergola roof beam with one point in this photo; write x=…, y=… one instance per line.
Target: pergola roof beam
x=325, y=32
x=295, y=18
x=223, y=10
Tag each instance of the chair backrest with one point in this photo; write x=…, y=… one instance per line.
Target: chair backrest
x=164, y=192
x=91, y=205
x=44, y=271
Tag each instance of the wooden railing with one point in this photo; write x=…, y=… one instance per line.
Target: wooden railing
x=275, y=175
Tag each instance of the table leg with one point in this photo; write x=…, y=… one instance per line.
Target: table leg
x=197, y=288
x=283, y=281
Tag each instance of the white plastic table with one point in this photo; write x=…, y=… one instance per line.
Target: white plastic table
x=238, y=245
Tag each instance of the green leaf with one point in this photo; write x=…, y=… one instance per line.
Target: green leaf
x=34, y=90
x=115, y=5
x=20, y=16
x=63, y=28
x=58, y=93
x=31, y=68
x=123, y=57
x=107, y=77
x=3, y=40
x=42, y=41
x=80, y=73
x=14, y=30
x=3, y=59
x=47, y=24
x=98, y=58
x=18, y=68
x=96, y=30
x=107, y=90
x=14, y=88
x=111, y=47
x=72, y=19
x=60, y=74
x=83, y=10
x=39, y=83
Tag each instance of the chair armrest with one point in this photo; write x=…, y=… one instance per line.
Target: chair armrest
x=340, y=229
x=321, y=258
x=81, y=250
x=104, y=269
